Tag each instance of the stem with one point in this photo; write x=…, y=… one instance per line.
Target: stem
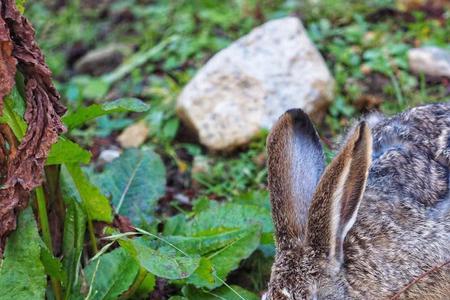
x=46, y=236
x=43, y=218
x=397, y=89
x=137, y=283
x=423, y=88
x=55, y=202
x=92, y=236
x=414, y=281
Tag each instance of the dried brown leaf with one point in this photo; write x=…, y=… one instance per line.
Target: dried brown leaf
x=7, y=62
x=44, y=109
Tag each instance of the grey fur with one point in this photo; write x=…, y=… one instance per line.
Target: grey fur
x=402, y=229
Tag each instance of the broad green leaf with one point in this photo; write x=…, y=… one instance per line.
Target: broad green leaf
x=111, y=274
x=84, y=114
x=13, y=110
x=64, y=151
x=233, y=292
x=126, y=104
x=22, y=274
x=73, y=241
x=205, y=275
x=52, y=265
x=76, y=185
x=228, y=258
x=208, y=241
x=224, y=234
x=134, y=182
x=221, y=248
x=232, y=215
x=168, y=264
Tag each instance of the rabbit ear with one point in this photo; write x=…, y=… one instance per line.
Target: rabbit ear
x=339, y=192
x=295, y=163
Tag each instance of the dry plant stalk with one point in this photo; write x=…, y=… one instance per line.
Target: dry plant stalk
x=416, y=280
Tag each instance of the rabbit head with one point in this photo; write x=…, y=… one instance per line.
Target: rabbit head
x=313, y=207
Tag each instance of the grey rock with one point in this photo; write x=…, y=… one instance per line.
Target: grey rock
x=248, y=85
x=101, y=60
x=432, y=61
x=108, y=155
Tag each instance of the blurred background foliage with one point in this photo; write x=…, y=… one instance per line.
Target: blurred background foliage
x=165, y=42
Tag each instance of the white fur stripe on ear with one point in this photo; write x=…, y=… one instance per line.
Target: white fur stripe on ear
x=349, y=190
x=351, y=221
x=336, y=204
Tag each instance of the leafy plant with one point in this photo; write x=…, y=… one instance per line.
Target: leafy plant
x=134, y=182
x=22, y=274
x=111, y=274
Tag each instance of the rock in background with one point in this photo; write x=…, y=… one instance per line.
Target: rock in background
x=432, y=61
x=101, y=60
x=249, y=84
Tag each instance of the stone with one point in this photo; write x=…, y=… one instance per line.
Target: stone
x=102, y=60
x=432, y=61
x=134, y=135
x=248, y=85
x=108, y=155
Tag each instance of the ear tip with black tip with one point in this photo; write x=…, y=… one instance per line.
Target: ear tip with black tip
x=297, y=115
x=294, y=121
x=364, y=129
x=301, y=122
x=363, y=136
x=363, y=124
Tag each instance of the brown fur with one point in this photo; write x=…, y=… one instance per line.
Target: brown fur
x=399, y=181
x=287, y=168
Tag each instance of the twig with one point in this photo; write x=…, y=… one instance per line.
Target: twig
x=409, y=285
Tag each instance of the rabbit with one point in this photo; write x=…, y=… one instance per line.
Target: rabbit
x=374, y=223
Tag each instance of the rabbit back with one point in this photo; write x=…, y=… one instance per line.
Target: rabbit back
x=411, y=155
x=403, y=226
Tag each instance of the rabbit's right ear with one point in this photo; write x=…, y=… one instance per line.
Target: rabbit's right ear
x=295, y=164
x=337, y=198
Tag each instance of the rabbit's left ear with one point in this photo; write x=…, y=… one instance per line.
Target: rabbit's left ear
x=336, y=201
x=295, y=163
